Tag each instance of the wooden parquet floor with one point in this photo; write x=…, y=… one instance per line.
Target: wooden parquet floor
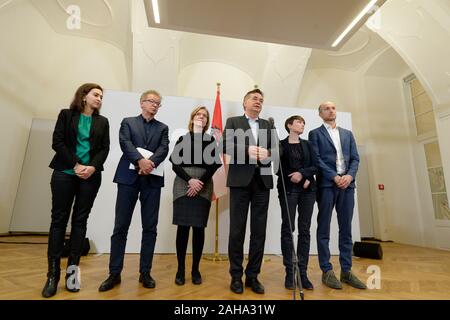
x=407, y=272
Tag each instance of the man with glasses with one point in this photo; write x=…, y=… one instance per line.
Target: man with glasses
x=145, y=143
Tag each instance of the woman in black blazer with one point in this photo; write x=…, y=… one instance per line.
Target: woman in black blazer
x=300, y=164
x=81, y=142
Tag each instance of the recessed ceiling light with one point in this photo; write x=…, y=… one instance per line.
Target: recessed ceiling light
x=354, y=22
x=156, y=11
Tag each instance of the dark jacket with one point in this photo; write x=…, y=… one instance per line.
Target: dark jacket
x=237, y=137
x=65, y=141
x=131, y=136
x=308, y=170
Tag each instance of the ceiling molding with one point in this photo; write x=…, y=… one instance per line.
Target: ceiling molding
x=414, y=14
x=5, y=3
x=168, y=54
x=359, y=46
x=237, y=66
x=113, y=25
x=365, y=45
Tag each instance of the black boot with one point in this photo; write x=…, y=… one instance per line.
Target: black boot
x=179, y=277
x=72, y=272
x=53, y=274
x=289, y=281
x=196, y=277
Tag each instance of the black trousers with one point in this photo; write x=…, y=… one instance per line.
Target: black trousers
x=257, y=196
x=65, y=189
x=303, y=201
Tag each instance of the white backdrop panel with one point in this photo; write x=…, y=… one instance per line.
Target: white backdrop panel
x=175, y=113
x=33, y=201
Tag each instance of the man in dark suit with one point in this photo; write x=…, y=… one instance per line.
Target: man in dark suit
x=247, y=141
x=338, y=164
x=145, y=132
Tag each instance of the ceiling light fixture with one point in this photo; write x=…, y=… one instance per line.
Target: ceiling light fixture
x=354, y=22
x=156, y=11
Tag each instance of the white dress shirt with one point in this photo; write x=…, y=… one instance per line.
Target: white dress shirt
x=254, y=125
x=334, y=134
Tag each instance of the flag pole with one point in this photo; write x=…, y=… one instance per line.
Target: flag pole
x=216, y=256
x=216, y=246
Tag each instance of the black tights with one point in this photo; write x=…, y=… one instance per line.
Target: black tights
x=198, y=239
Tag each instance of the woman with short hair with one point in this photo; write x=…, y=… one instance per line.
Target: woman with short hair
x=299, y=165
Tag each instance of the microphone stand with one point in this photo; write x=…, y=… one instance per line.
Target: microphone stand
x=295, y=267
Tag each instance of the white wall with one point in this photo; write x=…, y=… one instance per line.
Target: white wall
x=32, y=208
x=192, y=81
x=335, y=85
x=40, y=71
x=45, y=68
x=391, y=162
x=328, y=84
x=419, y=31
x=15, y=124
x=381, y=122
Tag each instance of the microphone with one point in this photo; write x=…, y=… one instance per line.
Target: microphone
x=271, y=121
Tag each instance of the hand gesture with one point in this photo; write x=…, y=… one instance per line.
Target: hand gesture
x=145, y=166
x=296, y=177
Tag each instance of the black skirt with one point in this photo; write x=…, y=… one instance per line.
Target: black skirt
x=191, y=211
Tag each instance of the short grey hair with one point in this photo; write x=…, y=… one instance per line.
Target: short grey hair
x=153, y=92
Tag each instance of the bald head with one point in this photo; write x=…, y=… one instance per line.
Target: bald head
x=325, y=104
x=327, y=111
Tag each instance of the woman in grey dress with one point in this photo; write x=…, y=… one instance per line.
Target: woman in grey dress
x=194, y=160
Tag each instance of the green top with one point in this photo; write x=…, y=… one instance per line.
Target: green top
x=83, y=144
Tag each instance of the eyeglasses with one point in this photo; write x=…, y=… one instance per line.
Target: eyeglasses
x=156, y=103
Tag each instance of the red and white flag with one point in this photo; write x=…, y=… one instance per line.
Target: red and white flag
x=220, y=177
